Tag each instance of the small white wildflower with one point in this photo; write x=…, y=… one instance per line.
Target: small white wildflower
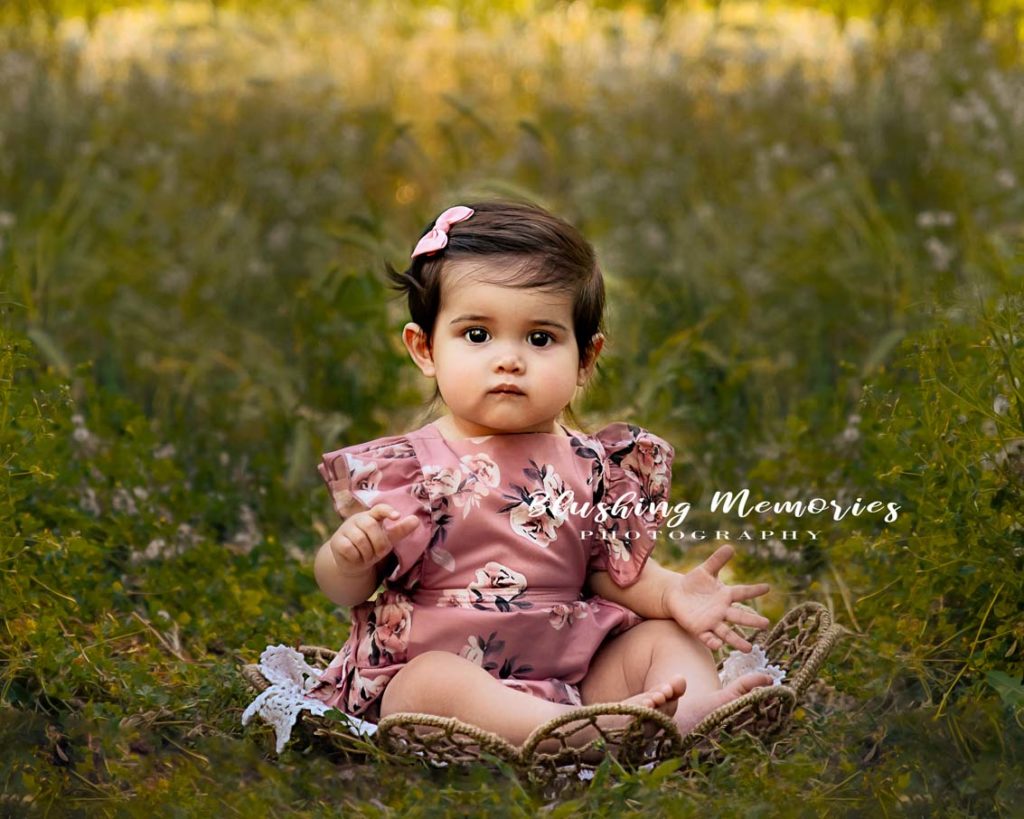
x=156, y=548
x=257, y=268
x=295, y=553
x=1006, y=178
x=940, y=253
x=249, y=534
x=88, y=501
x=928, y=219
x=140, y=493
x=185, y=537
x=224, y=458
x=81, y=435
x=166, y=451
x=78, y=419
x=280, y=235
x=122, y=501
x=7, y=219
x=163, y=614
x=850, y=434
x=1001, y=405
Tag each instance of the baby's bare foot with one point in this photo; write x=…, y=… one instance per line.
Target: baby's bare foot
x=663, y=697
x=693, y=709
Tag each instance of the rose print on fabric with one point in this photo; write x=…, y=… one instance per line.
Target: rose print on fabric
x=637, y=469
x=536, y=511
x=509, y=668
x=480, y=651
x=568, y=694
x=365, y=690
x=596, y=479
x=365, y=478
x=496, y=588
x=477, y=650
x=565, y=614
x=456, y=493
x=387, y=634
x=482, y=475
x=618, y=547
x=462, y=487
x=440, y=481
x=649, y=464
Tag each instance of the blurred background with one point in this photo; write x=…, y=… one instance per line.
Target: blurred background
x=810, y=217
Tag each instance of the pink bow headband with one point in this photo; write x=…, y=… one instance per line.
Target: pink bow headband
x=437, y=238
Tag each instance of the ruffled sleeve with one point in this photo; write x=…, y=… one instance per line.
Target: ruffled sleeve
x=385, y=470
x=635, y=468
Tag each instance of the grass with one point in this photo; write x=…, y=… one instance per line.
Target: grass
x=811, y=236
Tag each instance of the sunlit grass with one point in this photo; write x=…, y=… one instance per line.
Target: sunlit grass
x=811, y=235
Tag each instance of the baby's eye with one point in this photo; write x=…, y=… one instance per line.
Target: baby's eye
x=540, y=338
x=477, y=335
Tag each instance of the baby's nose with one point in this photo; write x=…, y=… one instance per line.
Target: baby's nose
x=509, y=363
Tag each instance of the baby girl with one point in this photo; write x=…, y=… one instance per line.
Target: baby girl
x=502, y=605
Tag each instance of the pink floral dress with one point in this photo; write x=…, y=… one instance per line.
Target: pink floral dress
x=510, y=529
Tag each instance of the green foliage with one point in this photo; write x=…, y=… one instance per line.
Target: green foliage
x=815, y=286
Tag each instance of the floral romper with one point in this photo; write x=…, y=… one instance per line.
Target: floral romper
x=510, y=529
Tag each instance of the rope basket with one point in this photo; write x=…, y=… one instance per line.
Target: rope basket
x=564, y=750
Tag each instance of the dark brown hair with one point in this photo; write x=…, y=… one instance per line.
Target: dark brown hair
x=538, y=250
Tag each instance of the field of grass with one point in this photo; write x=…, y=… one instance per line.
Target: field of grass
x=811, y=227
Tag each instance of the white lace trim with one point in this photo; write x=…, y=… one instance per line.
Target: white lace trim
x=290, y=677
x=738, y=663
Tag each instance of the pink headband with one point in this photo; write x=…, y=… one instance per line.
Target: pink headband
x=437, y=238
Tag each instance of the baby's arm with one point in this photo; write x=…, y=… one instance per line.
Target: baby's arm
x=345, y=590
x=646, y=596
x=348, y=566
x=698, y=601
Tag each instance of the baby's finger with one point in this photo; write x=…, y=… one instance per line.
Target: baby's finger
x=710, y=640
x=718, y=559
x=382, y=511
x=345, y=551
x=402, y=528
x=361, y=544
x=746, y=617
x=741, y=592
x=376, y=537
x=733, y=638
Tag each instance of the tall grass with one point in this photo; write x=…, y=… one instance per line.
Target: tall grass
x=811, y=235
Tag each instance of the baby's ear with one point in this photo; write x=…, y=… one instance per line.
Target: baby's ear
x=418, y=345
x=593, y=351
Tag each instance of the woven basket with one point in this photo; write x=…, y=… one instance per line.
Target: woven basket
x=549, y=757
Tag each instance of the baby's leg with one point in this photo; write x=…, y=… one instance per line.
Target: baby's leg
x=656, y=650
x=447, y=685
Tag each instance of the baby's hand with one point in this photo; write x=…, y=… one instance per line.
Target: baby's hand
x=362, y=541
x=702, y=604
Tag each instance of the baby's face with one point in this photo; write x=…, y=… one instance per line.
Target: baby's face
x=488, y=336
